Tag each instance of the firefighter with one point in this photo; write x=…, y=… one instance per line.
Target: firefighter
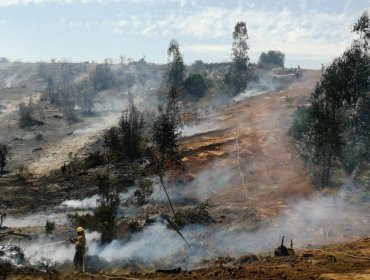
x=80, y=244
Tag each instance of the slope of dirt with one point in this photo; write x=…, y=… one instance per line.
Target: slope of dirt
x=253, y=133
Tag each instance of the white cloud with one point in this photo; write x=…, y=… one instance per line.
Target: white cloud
x=5, y=3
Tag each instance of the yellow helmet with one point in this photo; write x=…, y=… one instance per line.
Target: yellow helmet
x=80, y=229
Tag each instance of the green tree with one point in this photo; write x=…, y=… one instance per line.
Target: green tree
x=111, y=144
x=175, y=73
x=271, y=59
x=237, y=75
x=130, y=130
x=362, y=27
x=164, y=135
x=337, y=124
x=106, y=215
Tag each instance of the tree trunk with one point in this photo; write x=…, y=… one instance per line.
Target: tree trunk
x=168, y=197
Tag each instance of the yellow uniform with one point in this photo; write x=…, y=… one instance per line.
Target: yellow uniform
x=80, y=245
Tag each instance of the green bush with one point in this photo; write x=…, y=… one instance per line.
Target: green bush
x=271, y=59
x=196, y=86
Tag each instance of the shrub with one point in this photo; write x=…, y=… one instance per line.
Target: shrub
x=49, y=227
x=196, y=86
x=94, y=159
x=271, y=59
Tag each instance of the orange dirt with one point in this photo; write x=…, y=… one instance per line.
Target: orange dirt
x=272, y=171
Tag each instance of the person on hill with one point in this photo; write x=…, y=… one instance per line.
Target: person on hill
x=80, y=245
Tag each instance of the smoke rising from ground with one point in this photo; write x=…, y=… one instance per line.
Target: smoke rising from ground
x=193, y=129
x=263, y=85
x=318, y=220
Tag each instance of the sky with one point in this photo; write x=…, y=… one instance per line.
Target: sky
x=309, y=32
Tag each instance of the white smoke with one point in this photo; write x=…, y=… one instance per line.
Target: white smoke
x=92, y=201
x=264, y=84
x=206, y=184
x=193, y=129
x=86, y=203
x=319, y=220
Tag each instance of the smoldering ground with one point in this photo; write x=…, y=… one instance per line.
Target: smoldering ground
x=318, y=220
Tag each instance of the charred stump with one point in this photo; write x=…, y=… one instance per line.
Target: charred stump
x=281, y=251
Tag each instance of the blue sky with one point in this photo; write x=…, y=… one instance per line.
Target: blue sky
x=309, y=32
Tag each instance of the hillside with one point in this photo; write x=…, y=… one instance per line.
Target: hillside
x=240, y=160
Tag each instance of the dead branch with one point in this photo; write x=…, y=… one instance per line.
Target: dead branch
x=174, y=226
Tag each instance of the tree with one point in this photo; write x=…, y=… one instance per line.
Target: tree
x=271, y=59
x=362, y=27
x=3, y=156
x=103, y=77
x=106, y=215
x=130, y=130
x=164, y=135
x=111, y=144
x=175, y=73
x=237, y=75
x=25, y=114
x=165, y=129
x=196, y=86
x=337, y=124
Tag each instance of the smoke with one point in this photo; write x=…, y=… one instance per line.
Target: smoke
x=207, y=183
x=87, y=203
x=193, y=129
x=91, y=202
x=45, y=249
x=105, y=121
x=318, y=220
x=264, y=84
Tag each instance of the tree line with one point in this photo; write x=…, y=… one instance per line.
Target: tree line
x=334, y=131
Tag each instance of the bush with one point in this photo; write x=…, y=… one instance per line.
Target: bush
x=299, y=127
x=271, y=59
x=3, y=156
x=49, y=227
x=143, y=193
x=39, y=137
x=104, y=218
x=196, y=86
x=196, y=215
x=94, y=159
x=105, y=215
x=103, y=77
x=25, y=111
